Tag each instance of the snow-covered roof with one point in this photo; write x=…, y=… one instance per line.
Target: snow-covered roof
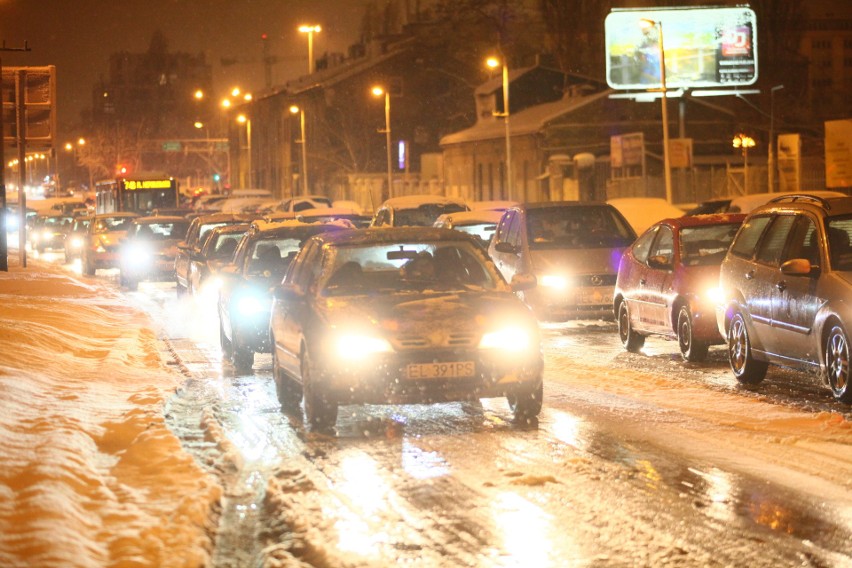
x=414, y=201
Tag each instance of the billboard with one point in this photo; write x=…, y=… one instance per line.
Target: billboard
x=838, y=153
x=37, y=85
x=704, y=47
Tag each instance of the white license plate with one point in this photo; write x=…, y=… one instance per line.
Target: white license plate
x=441, y=370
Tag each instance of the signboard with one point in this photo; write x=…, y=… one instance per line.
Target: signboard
x=838, y=153
x=680, y=152
x=133, y=184
x=704, y=47
x=38, y=85
x=171, y=146
x=789, y=161
x=627, y=150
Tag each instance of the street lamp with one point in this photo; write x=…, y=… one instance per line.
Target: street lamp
x=745, y=142
x=493, y=63
x=243, y=119
x=310, y=30
x=304, y=141
x=378, y=92
x=771, y=157
x=667, y=172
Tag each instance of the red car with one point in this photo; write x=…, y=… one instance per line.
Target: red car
x=668, y=283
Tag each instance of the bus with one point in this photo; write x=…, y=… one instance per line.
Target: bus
x=140, y=194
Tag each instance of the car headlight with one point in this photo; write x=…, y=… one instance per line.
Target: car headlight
x=553, y=281
x=251, y=304
x=100, y=248
x=47, y=235
x=715, y=295
x=356, y=347
x=76, y=242
x=512, y=339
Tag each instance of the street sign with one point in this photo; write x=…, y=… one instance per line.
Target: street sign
x=38, y=85
x=172, y=146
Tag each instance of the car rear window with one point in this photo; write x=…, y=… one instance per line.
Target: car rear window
x=706, y=245
x=425, y=215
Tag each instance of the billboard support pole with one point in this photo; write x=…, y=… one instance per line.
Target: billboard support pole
x=664, y=100
x=771, y=157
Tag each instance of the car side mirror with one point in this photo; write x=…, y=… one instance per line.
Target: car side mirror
x=504, y=246
x=798, y=267
x=524, y=281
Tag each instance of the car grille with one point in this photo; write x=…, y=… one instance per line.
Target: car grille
x=596, y=280
x=442, y=339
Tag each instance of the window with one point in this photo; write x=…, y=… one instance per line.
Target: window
x=661, y=254
x=804, y=241
x=643, y=245
x=749, y=235
x=513, y=235
x=772, y=245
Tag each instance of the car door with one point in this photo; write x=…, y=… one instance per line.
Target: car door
x=632, y=274
x=292, y=309
x=507, y=232
x=795, y=301
x=656, y=285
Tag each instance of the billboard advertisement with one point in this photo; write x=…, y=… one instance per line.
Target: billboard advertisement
x=704, y=47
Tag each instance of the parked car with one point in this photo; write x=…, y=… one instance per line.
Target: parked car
x=49, y=231
x=416, y=210
x=101, y=249
x=303, y=203
x=480, y=223
x=642, y=212
x=217, y=251
x=787, y=284
x=76, y=237
x=245, y=296
x=571, y=247
x=329, y=214
x=401, y=316
x=749, y=202
x=199, y=228
x=149, y=249
x=668, y=283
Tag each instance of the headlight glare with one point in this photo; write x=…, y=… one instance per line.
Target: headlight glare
x=250, y=305
x=514, y=339
x=76, y=242
x=353, y=346
x=715, y=295
x=554, y=281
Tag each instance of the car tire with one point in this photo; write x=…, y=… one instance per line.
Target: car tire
x=242, y=356
x=526, y=404
x=746, y=368
x=320, y=413
x=88, y=266
x=691, y=349
x=225, y=344
x=837, y=363
x=128, y=282
x=289, y=392
x=631, y=340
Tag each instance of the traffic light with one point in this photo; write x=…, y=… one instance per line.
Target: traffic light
x=121, y=170
x=217, y=178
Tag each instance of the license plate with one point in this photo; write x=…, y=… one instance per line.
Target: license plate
x=441, y=370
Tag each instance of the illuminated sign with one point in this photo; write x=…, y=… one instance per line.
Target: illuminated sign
x=704, y=47
x=133, y=185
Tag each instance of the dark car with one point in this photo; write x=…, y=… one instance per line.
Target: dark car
x=416, y=210
x=49, y=231
x=148, y=250
x=787, y=291
x=199, y=228
x=668, y=283
x=245, y=296
x=400, y=316
x=573, y=249
x=217, y=251
x=76, y=237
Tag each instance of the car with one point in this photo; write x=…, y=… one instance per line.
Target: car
x=148, y=250
x=786, y=286
x=480, y=223
x=103, y=236
x=198, y=230
x=49, y=231
x=749, y=202
x=303, y=203
x=328, y=214
x=493, y=205
x=642, y=212
x=245, y=297
x=76, y=237
x=401, y=316
x=416, y=210
x=217, y=251
x=668, y=283
x=572, y=248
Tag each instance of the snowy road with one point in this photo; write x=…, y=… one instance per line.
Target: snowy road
x=637, y=460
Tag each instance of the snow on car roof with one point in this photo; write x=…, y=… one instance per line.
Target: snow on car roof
x=494, y=205
x=414, y=201
x=470, y=217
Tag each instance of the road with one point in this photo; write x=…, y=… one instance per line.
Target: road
x=637, y=460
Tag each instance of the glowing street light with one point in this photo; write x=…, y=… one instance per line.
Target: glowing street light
x=744, y=142
x=667, y=171
x=198, y=94
x=493, y=63
x=310, y=30
x=301, y=112
x=378, y=92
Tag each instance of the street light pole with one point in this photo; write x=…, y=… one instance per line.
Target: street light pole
x=243, y=119
x=667, y=171
x=294, y=109
x=379, y=91
x=771, y=156
x=310, y=31
x=494, y=62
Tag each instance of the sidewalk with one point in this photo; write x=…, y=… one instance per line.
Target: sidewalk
x=90, y=475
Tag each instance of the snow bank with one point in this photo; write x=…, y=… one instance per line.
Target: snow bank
x=90, y=475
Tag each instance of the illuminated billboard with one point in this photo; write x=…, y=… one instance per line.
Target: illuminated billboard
x=704, y=47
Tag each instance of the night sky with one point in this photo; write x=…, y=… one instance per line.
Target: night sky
x=78, y=37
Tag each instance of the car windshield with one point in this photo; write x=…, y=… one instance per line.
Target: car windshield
x=576, y=227
x=109, y=224
x=425, y=215
x=161, y=231
x=482, y=231
x=839, y=231
x=57, y=221
x=221, y=246
x=270, y=257
x=413, y=266
x=706, y=245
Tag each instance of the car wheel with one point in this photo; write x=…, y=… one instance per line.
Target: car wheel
x=288, y=390
x=88, y=267
x=526, y=404
x=128, y=282
x=320, y=413
x=225, y=343
x=243, y=357
x=631, y=340
x=691, y=349
x=837, y=363
x=746, y=368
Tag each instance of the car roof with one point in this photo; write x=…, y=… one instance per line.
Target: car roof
x=116, y=214
x=549, y=204
x=289, y=228
x=220, y=217
x=414, y=201
x=232, y=228
x=836, y=205
x=161, y=219
x=472, y=217
x=747, y=203
x=699, y=220
x=388, y=235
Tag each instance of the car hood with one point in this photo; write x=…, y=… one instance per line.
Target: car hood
x=576, y=261
x=110, y=239
x=426, y=314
